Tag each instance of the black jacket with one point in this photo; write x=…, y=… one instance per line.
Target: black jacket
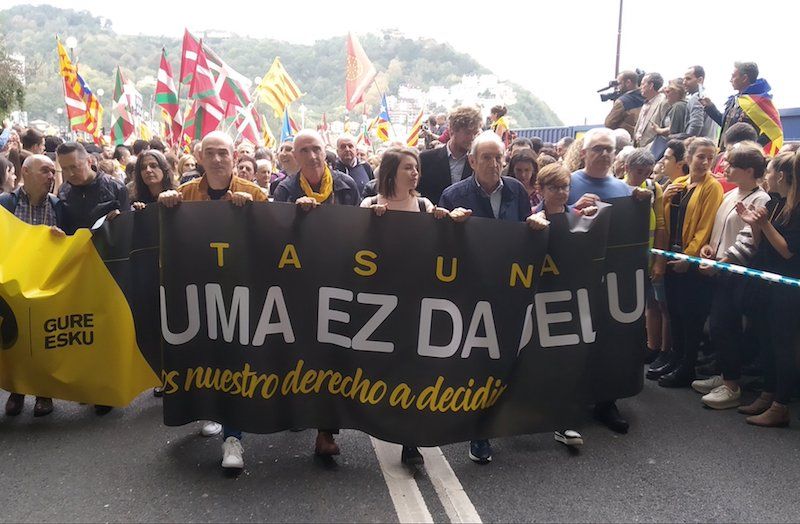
x=435, y=173
x=84, y=205
x=364, y=167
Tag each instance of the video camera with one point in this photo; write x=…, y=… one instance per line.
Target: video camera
x=605, y=97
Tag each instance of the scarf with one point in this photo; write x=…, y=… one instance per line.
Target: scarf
x=325, y=187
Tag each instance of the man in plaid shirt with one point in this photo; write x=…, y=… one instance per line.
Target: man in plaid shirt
x=33, y=204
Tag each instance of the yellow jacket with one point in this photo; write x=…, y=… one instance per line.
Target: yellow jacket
x=700, y=213
x=197, y=189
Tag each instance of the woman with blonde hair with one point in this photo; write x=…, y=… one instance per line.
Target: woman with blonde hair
x=572, y=158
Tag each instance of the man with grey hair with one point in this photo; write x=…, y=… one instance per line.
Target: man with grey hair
x=639, y=166
x=622, y=139
x=745, y=81
x=653, y=111
x=595, y=181
x=315, y=183
x=589, y=185
x=487, y=194
x=32, y=203
x=347, y=162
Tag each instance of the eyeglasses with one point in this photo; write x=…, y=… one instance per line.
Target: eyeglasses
x=602, y=149
x=555, y=188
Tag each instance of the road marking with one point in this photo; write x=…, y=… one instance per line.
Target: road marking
x=454, y=499
x=407, y=499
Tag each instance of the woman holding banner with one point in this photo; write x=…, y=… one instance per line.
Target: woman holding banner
x=398, y=176
x=776, y=230
x=690, y=205
x=151, y=176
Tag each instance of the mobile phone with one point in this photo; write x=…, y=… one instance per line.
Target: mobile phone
x=701, y=91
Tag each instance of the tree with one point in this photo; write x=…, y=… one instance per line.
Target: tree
x=12, y=86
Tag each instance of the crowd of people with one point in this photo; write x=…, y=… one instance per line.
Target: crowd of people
x=713, y=194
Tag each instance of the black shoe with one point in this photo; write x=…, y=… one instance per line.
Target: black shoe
x=480, y=451
x=411, y=456
x=665, y=363
x=650, y=355
x=607, y=414
x=681, y=377
x=102, y=410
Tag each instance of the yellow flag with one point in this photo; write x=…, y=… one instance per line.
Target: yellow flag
x=66, y=330
x=269, y=138
x=277, y=89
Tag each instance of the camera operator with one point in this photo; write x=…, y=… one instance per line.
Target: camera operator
x=626, y=108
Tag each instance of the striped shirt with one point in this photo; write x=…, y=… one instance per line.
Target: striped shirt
x=41, y=214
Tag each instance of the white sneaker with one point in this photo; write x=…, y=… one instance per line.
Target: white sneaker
x=723, y=397
x=210, y=429
x=569, y=437
x=707, y=385
x=232, y=454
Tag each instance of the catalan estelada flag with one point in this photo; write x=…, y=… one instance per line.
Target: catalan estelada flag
x=756, y=104
x=289, y=127
x=413, y=132
x=383, y=123
x=763, y=113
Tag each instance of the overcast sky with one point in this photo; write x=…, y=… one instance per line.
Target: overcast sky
x=563, y=51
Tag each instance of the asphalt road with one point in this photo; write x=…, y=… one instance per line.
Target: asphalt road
x=680, y=462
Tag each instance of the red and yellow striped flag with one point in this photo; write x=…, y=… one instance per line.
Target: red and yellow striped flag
x=413, y=133
x=277, y=89
x=83, y=109
x=762, y=112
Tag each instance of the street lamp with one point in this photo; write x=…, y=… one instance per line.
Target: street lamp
x=60, y=111
x=100, y=92
x=72, y=43
x=303, y=110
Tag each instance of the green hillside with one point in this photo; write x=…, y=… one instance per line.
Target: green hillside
x=318, y=69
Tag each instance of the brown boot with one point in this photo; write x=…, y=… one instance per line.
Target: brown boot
x=43, y=407
x=14, y=404
x=777, y=416
x=326, y=446
x=759, y=405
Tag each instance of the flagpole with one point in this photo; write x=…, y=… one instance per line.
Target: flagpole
x=248, y=109
x=179, y=140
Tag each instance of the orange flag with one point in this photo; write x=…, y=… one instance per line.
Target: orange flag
x=359, y=73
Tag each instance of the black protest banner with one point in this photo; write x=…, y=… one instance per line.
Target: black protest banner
x=411, y=329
